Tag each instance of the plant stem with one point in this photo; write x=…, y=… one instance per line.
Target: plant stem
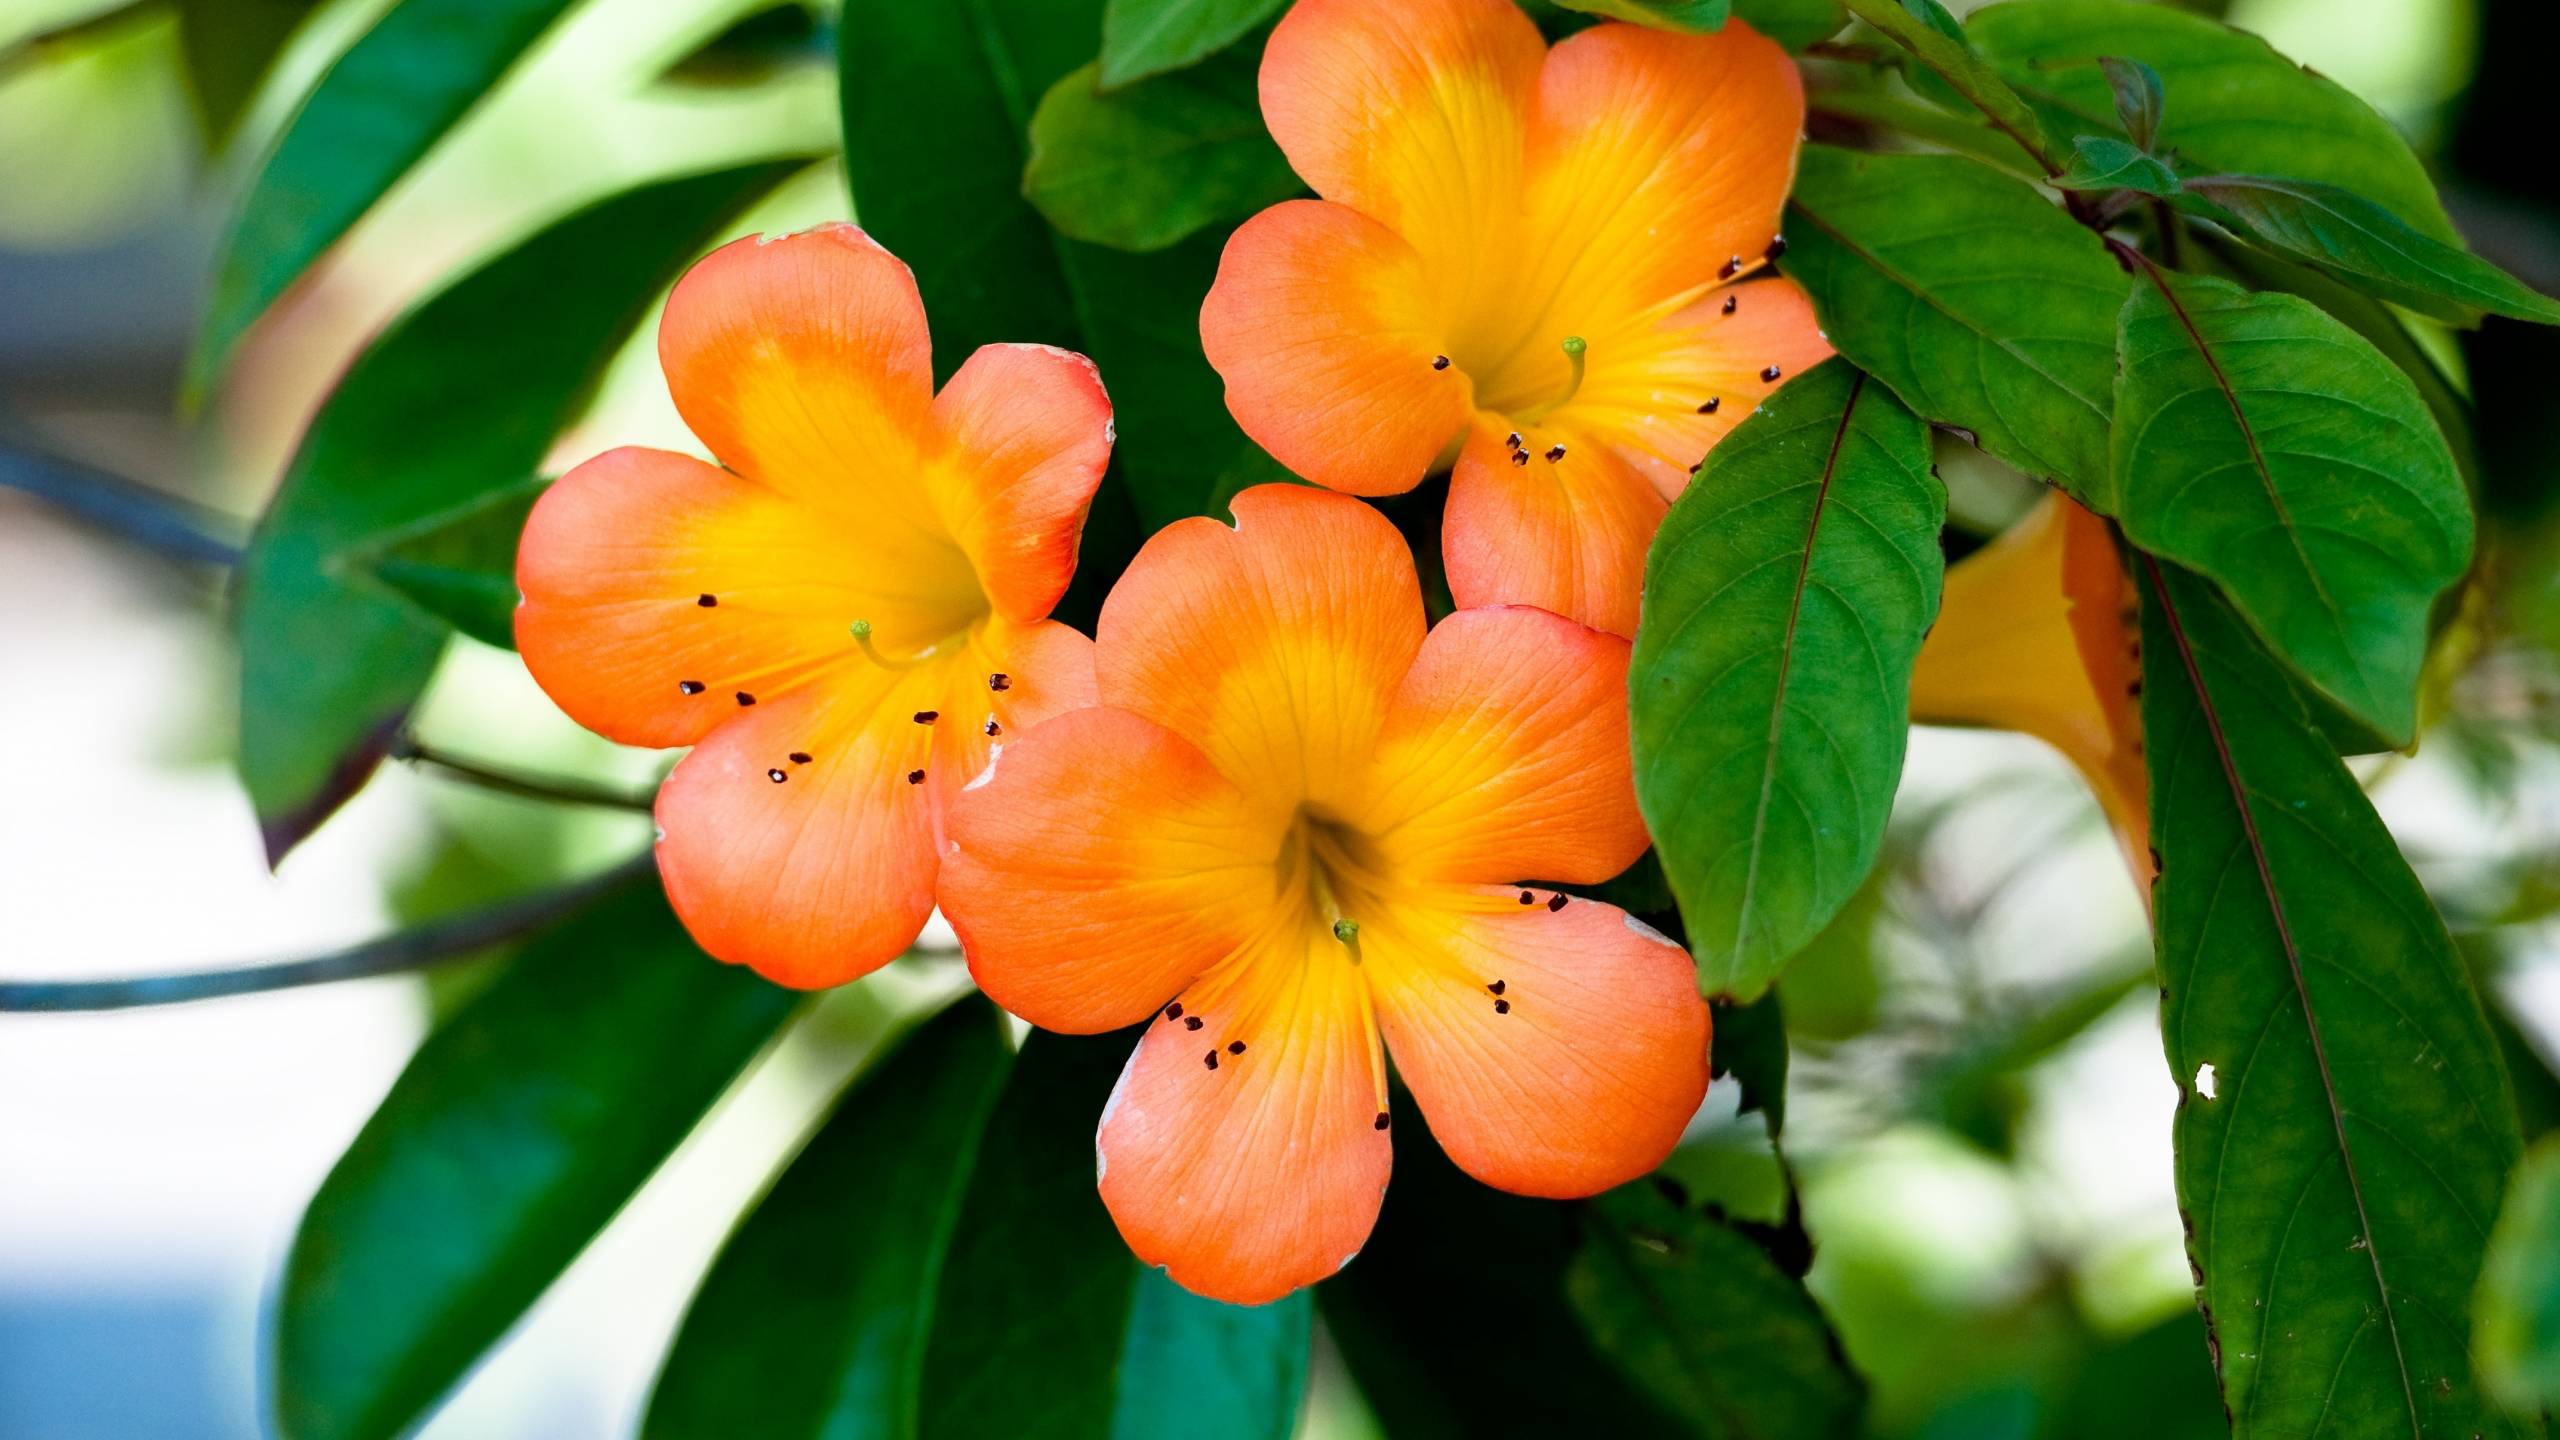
x=1962, y=69
x=554, y=788
x=410, y=949
x=154, y=519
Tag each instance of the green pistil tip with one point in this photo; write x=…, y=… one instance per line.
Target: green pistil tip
x=1346, y=931
x=861, y=629
x=1574, y=348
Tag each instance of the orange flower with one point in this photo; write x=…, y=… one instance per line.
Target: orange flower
x=1299, y=813
x=1523, y=259
x=847, y=620
x=2038, y=633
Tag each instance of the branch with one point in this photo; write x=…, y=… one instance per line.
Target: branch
x=559, y=789
x=1963, y=70
x=175, y=527
x=410, y=949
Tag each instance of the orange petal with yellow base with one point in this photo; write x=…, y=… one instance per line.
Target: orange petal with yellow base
x=1557, y=1046
x=1099, y=868
x=1505, y=754
x=2038, y=633
x=1274, y=645
x=1567, y=534
x=1666, y=397
x=1022, y=434
x=1247, y=1153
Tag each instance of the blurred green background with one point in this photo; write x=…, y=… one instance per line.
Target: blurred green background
x=1978, y=1107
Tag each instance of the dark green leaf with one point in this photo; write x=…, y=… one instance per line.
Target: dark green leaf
x=814, y=1320
x=2270, y=447
x=1785, y=598
x=1794, y=24
x=2369, y=246
x=1699, y=1317
x=2156, y=1385
x=1983, y=306
x=459, y=398
x=2233, y=102
x=516, y=1132
x=2344, y=1128
x=1936, y=17
x=757, y=48
x=2518, y=1311
x=229, y=47
x=1047, y=1326
x=1751, y=1046
x=382, y=106
x=1142, y=167
x=2139, y=98
x=936, y=102
x=2099, y=162
x=1149, y=37
x=1687, y=16
x=459, y=565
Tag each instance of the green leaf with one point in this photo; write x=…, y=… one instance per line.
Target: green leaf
x=2344, y=1128
x=459, y=565
x=1983, y=306
x=459, y=398
x=380, y=107
x=2140, y=97
x=513, y=1136
x=1692, y=17
x=937, y=98
x=229, y=47
x=1046, y=1324
x=2266, y=445
x=2368, y=246
x=1794, y=24
x=1751, y=1046
x=1699, y=1317
x=1149, y=37
x=2517, y=1314
x=814, y=1319
x=2233, y=102
x=2101, y=163
x=1785, y=598
x=757, y=48
x=1142, y=167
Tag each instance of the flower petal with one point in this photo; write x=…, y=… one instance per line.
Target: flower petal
x=615, y=567
x=1024, y=434
x=1505, y=754
x=1410, y=113
x=2036, y=634
x=1567, y=535
x=1007, y=681
x=1272, y=646
x=802, y=361
x=1664, y=398
x=1245, y=1155
x=1556, y=1052
x=1099, y=867
x=1320, y=323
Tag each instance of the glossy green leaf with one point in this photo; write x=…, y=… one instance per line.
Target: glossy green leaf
x=813, y=1321
x=2369, y=246
x=459, y=398
x=2263, y=443
x=381, y=106
x=2344, y=1128
x=937, y=100
x=230, y=46
x=1149, y=37
x=1785, y=598
x=1700, y=1318
x=2140, y=98
x=1794, y=24
x=2101, y=163
x=459, y=566
x=513, y=1136
x=1046, y=1325
x=2517, y=1315
x=1980, y=303
x=1692, y=17
x=2232, y=102
x=1139, y=168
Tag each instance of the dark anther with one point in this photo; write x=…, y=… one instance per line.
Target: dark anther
x=1714, y=403
x=1439, y=362
x=1496, y=987
x=689, y=687
x=745, y=699
x=1528, y=899
x=999, y=681
x=1235, y=1047
x=1555, y=904
x=1729, y=269
x=915, y=777
x=1554, y=453
x=1732, y=303
x=994, y=729
x=2133, y=690
x=1501, y=1007
x=1519, y=457
x=1382, y=1120
x=1777, y=247
x=1173, y=1011
x=1770, y=373
x=1191, y=1022
x=706, y=601
x=927, y=717
x=1211, y=1059
x=776, y=776
x=799, y=757
x=1513, y=441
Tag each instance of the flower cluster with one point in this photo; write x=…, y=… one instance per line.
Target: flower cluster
x=1265, y=810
